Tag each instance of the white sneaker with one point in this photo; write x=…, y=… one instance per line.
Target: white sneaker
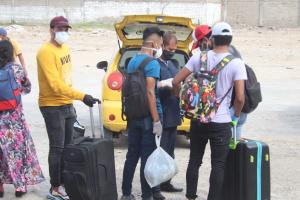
x=62, y=191
x=58, y=195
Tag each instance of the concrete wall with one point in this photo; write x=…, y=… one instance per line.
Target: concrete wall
x=97, y=10
x=281, y=13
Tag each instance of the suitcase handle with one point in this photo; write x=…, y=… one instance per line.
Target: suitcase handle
x=100, y=120
x=234, y=134
x=82, y=139
x=233, y=142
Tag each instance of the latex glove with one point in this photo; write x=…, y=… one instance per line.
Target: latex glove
x=157, y=128
x=89, y=100
x=234, y=120
x=165, y=83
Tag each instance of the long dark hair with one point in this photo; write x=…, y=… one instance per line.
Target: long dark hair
x=6, y=53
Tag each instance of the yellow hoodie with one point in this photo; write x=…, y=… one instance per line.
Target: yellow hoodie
x=54, y=74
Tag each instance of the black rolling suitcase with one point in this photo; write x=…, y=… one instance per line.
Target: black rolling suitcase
x=247, y=172
x=89, y=172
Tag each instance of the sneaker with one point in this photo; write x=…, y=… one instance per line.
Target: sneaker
x=60, y=194
x=130, y=197
x=168, y=187
x=19, y=194
x=158, y=196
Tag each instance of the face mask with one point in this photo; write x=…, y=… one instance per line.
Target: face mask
x=61, y=37
x=158, y=53
x=168, y=54
x=203, y=46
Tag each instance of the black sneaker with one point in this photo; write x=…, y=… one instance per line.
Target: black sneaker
x=19, y=194
x=170, y=188
x=130, y=197
x=158, y=196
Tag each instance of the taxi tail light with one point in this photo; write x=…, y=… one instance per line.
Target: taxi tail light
x=115, y=81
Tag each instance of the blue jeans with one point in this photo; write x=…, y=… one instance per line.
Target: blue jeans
x=141, y=143
x=240, y=124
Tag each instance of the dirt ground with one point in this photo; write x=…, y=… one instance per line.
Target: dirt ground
x=273, y=54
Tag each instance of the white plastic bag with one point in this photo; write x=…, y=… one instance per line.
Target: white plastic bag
x=160, y=166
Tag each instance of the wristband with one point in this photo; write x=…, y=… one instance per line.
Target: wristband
x=235, y=120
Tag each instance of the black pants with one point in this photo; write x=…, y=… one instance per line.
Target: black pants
x=59, y=123
x=219, y=135
x=167, y=142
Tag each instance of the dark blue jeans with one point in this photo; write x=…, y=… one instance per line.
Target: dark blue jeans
x=141, y=143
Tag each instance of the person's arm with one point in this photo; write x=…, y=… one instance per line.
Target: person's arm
x=193, y=63
x=22, y=61
x=239, y=99
x=47, y=65
x=181, y=76
x=152, y=98
x=22, y=79
x=239, y=77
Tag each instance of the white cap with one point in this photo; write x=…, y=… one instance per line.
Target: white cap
x=221, y=28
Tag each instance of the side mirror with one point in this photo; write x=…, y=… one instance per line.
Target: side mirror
x=102, y=65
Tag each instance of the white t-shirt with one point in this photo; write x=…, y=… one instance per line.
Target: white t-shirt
x=233, y=71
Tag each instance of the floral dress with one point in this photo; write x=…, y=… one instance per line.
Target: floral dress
x=18, y=160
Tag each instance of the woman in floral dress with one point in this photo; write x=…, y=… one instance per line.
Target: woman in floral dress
x=18, y=160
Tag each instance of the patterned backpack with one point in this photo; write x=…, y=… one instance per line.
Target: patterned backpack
x=198, y=100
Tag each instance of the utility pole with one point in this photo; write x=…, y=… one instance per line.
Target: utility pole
x=12, y=19
x=260, y=13
x=298, y=12
x=206, y=8
x=224, y=9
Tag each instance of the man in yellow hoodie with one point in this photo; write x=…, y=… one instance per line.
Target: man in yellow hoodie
x=55, y=100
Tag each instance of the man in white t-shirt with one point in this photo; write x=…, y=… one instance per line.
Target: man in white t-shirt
x=201, y=36
x=218, y=131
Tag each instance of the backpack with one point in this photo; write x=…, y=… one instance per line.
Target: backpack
x=198, y=99
x=134, y=93
x=10, y=96
x=252, y=92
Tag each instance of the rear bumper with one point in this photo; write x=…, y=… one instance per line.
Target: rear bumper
x=109, y=109
x=113, y=108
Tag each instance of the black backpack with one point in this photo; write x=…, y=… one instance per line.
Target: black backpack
x=252, y=92
x=134, y=93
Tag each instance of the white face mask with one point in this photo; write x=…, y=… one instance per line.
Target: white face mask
x=158, y=52
x=61, y=37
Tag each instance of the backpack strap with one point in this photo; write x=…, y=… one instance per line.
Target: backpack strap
x=8, y=65
x=144, y=63
x=222, y=64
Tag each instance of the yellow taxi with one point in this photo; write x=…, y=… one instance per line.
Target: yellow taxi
x=129, y=32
